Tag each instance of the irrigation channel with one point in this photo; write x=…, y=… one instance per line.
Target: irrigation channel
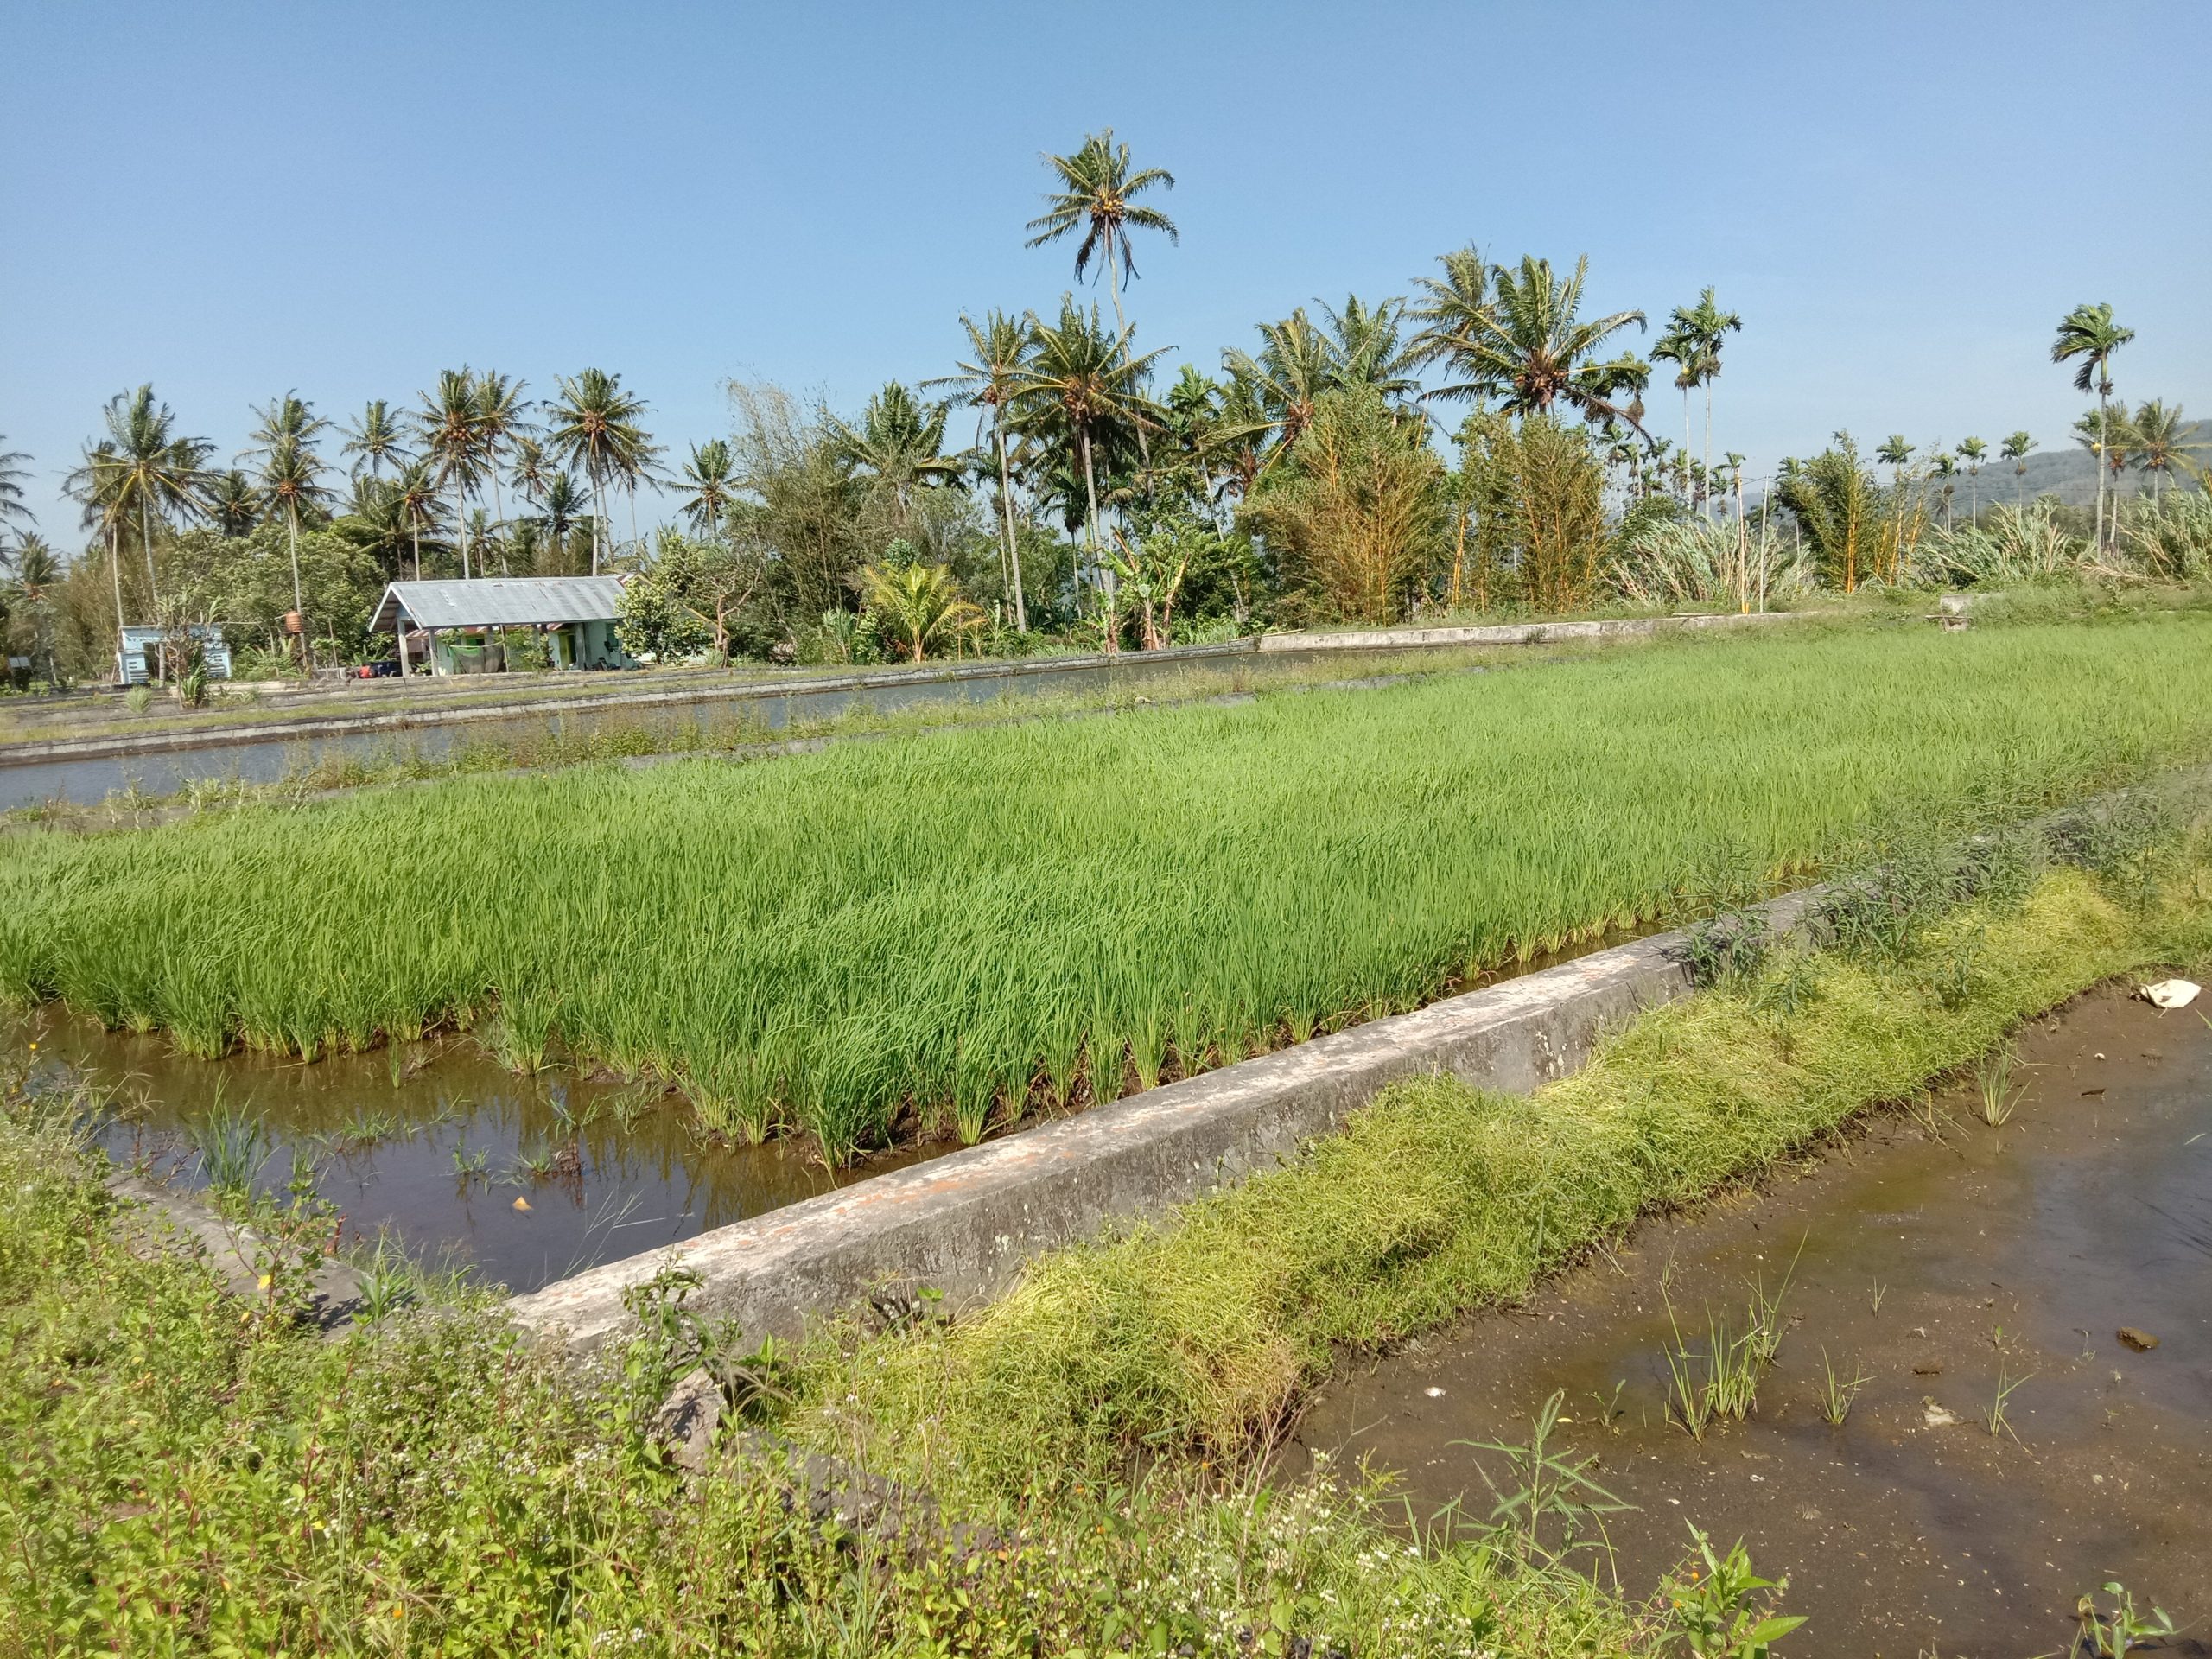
x=704, y=715
x=1941, y=1261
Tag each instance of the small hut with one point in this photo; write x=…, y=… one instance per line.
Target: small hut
x=454, y=628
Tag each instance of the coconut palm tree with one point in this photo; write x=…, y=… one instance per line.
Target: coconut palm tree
x=920, y=606
x=989, y=375
x=453, y=442
x=97, y=484
x=1972, y=451
x=12, y=474
x=1097, y=196
x=500, y=422
x=377, y=517
x=1364, y=346
x=291, y=479
x=1296, y=363
x=596, y=428
x=379, y=436
x=2158, y=441
x=2016, y=451
x=899, y=443
x=564, y=503
x=2090, y=334
x=232, y=504
x=288, y=419
x=1531, y=347
x=1452, y=308
x=1077, y=383
x=707, y=484
x=34, y=571
x=418, y=496
x=529, y=471
x=151, y=471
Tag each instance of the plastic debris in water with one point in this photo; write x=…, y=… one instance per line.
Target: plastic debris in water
x=522, y=1204
x=2172, y=993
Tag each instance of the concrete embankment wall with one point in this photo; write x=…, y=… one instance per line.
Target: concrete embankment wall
x=965, y=1223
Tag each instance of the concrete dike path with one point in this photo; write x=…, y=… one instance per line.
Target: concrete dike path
x=964, y=1223
x=538, y=701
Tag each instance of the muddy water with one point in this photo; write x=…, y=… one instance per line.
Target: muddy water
x=604, y=1170
x=1939, y=1265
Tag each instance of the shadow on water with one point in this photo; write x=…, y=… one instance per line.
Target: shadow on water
x=1941, y=1261
x=434, y=1143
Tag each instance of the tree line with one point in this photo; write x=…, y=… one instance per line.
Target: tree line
x=1320, y=475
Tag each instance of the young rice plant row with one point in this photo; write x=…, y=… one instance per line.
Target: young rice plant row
x=960, y=927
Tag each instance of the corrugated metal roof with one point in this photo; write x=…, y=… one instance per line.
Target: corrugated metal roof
x=499, y=601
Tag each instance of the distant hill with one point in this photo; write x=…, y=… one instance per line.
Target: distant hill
x=2070, y=474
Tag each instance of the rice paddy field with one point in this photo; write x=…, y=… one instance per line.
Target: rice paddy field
x=955, y=930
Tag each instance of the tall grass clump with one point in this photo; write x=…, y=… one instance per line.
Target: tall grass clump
x=946, y=933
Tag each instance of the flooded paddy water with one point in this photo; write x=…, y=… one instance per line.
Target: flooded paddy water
x=432, y=1143
x=1953, y=1267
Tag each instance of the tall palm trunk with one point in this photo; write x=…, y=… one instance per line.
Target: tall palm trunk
x=1682, y=466
x=598, y=497
x=115, y=574
x=415, y=526
x=1099, y=573
x=1114, y=287
x=2104, y=441
x=1005, y=512
x=1708, y=451
x=299, y=605
x=146, y=545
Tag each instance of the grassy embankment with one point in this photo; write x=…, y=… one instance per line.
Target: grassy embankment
x=176, y=1477
x=965, y=927
x=1200, y=1336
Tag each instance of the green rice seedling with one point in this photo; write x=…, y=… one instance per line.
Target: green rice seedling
x=1765, y=1327
x=866, y=926
x=523, y=1031
x=1719, y=1383
x=1995, y=1419
x=232, y=1144
x=468, y=1164
x=1993, y=1079
x=537, y=1162
x=1838, y=1393
x=365, y=1129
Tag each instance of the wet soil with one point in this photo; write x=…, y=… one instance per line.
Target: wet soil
x=1940, y=1259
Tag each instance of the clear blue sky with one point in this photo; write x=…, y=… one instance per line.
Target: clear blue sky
x=231, y=200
